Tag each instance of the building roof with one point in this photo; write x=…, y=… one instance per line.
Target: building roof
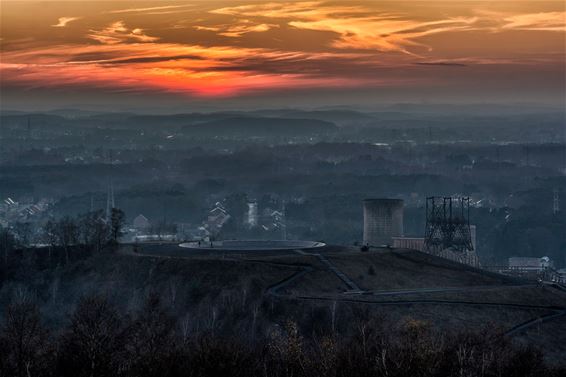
x=217, y=211
x=140, y=217
x=140, y=221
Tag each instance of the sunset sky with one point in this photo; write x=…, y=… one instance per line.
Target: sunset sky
x=280, y=53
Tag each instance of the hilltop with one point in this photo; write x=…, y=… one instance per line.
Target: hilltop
x=336, y=287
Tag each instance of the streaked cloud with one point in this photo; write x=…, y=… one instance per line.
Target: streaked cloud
x=384, y=33
x=250, y=47
x=207, y=28
x=165, y=9
x=238, y=28
x=357, y=27
x=117, y=32
x=543, y=21
x=63, y=21
x=309, y=10
x=190, y=69
x=442, y=64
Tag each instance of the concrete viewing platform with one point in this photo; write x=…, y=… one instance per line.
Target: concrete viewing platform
x=253, y=245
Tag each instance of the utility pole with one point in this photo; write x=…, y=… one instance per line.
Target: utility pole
x=110, y=200
x=112, y=203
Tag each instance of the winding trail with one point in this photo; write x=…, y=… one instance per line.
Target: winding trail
x=556, y=312
x=353, y=287
x=355, y=295
x=534, y=322
x=444, y=290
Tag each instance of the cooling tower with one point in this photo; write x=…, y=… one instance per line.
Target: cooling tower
x=383, y=220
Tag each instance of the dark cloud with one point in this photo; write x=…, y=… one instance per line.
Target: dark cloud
x=332, y=66
x=154, y=59
x=442, y=64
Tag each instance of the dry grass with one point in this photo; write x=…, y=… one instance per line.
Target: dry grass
x=410, y=269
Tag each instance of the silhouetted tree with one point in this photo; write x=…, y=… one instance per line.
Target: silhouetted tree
x=94, y=230
x=214, y=356
x=96, y=339
x=151, y=343
x=23, y=233
x=23, y=341
x=287, y=351
x=117, y=221
x=7, y=244
x=64, y=233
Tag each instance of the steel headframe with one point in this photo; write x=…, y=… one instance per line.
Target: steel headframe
x=448, y=224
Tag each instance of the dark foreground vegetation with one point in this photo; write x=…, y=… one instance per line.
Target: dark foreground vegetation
x=99, y=341
x=83, y=312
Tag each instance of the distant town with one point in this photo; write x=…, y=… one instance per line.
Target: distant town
x=180, y=182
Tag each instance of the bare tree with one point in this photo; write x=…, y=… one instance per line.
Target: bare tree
x=7, y=243
x=67, y=234
x=49, y=235
x=152, y=340
x=23, y=233
x=95, y=340
x=185, y=328
x=24, y=340
x=117, y=222
x=333, y=317
x=94, y=230
x=287, y=351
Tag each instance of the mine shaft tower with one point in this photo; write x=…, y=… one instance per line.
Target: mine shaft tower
x=448, y=224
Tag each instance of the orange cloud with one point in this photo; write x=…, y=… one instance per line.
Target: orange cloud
x=366, y=27
x=544, y=21
x=383, y=33
x=309, y=10
x=63, y=21
x=206, y=28
x=166, y=9
x=364, y=44
x=357, y=27
x=238, y=29
x=117, y=32
x=191, y=69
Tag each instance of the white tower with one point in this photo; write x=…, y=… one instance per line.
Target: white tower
x=252, y=218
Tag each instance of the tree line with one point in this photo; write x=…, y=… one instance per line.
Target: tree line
x=99, y=341
x=92, y=230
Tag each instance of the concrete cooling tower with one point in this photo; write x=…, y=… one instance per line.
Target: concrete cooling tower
x=383, y=220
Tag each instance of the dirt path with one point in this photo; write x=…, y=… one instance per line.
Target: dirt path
x=355, y=295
